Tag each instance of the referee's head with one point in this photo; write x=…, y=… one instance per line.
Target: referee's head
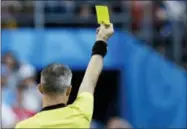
x=55, y=84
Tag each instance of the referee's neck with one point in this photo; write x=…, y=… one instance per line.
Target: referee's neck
x=53, y=100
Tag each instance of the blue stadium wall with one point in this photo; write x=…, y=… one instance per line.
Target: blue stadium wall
x=153, y=89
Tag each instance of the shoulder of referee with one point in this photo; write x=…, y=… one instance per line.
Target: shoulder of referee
x=84, y=103
x=19, y=125
x=22, y=124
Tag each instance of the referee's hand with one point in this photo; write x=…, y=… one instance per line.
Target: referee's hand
x=104, y=32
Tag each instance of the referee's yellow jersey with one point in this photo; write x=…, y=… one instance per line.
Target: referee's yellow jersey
x=76, y=115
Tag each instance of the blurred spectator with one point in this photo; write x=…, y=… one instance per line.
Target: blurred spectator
x=20, y=112
x=8, y=9
x=4, y=75
x=17, y=12
x=13, y=66
x=162, y=30
x=8, y=94
x=8, y=22
x=28, y=5
x=116, y=122
x=12, y=5
x=19, y=87
x=85, y=11
x=28, y=88
x=175, y=9
x=28, y=100
x=137, y=14
x=8, y=117
x=68, y=6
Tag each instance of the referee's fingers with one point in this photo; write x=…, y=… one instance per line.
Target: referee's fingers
x=105, y=26
x=102, y=26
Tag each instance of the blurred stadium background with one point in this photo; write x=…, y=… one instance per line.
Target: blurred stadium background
x=144, y=79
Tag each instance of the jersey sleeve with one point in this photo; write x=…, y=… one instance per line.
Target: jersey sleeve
x=18, y=126
x=24, y=124
x=84, y=103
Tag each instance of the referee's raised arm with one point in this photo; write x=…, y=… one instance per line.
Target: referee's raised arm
x=84, y=102
x=104, y=32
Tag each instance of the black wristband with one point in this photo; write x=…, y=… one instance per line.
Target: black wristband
x=100, y=48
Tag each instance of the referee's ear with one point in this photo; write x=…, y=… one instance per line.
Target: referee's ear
x=40, y=88
x=68, y=91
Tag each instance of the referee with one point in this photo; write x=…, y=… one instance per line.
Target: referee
x=55, y=86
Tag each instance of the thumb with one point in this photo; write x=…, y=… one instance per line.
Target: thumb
x=97, y=30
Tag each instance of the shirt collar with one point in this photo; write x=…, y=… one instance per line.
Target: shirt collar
x=61, y=105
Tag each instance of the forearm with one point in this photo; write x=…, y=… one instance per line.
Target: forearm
x=95, y=65
x=92, y=74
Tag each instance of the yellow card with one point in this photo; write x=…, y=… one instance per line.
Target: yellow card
x=102, y=14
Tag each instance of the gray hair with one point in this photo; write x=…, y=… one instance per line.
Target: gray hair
x=55, y=78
